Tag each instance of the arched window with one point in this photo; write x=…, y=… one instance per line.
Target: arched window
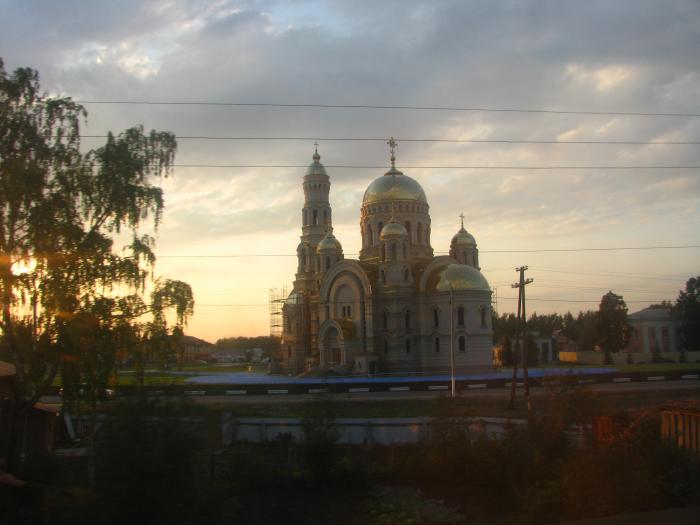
x=386, y=346
x=436, y=318
x=383, y=252
x=408, y=319
x=419, y=234
x=408, y=229
x=315, y=220
x=405, y=274
x=380, y=227
x=483, y=316
x=325, y=216
x=408, y=346
x=385, y=320
x=403, y=251
x=462, y=343
x=393, y=251
x=303, y=214
x=328, y=262
x=370, y=238
x=437, y=345
x=460, y=316
x=383, y=276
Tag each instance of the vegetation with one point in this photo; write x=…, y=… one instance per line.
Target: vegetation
x=555, y=466
x=72, y=302
x=688, y=311
x=612, y=330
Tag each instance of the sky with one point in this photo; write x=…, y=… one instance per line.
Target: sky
x=627, y=56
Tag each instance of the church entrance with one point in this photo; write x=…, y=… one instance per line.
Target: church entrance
x=332, y=352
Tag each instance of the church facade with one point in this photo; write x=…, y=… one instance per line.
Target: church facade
x=397, y=308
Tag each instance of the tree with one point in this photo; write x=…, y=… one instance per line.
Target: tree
x=69, y=299
x=613, y=332
x=688, y=310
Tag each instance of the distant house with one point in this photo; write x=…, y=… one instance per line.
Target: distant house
x=653, y=328
x=195, y=349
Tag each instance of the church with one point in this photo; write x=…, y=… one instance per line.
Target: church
x=398, y=307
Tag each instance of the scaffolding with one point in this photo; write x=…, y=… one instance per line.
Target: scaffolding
x=277, y=296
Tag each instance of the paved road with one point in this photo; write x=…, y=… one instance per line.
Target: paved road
x=689, y=388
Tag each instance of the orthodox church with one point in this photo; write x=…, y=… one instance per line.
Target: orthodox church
x=397, y=308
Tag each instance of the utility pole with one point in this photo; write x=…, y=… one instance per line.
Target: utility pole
x=522, y=319
x=453, y=385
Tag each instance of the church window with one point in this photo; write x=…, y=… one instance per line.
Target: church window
x=460, y=316
x=483, y=316
x=408, y=229
x=328, y=311
x=370, y=240
x=405, y=274
x=408, y=319
x=383, y=274
x=393, y=251
x=289, y=351
x=380, y=226
x=437, y=345
x=419, y=234
x=408, y=346
x=383, y=253
x=462, y=344
x=315, y=221
x=328, y=263
x=385, y=320
x=436, y=318
x=403, y=246
x=386, y=346
x=325, y=216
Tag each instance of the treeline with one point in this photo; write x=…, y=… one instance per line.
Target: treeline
x=268, y=343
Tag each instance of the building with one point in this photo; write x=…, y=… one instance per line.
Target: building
x=654, y=329
x=390, y=310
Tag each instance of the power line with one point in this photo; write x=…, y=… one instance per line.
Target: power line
x=454, y=141
x=392, y=107
x=544, y=250
x=468, y=167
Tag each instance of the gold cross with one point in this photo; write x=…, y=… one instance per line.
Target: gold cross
x=461, y=216
x=392, y=149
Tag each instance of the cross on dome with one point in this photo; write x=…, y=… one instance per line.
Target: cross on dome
x=392, y=149
x=461, y=216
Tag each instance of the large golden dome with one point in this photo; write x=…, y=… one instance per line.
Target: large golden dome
x=461, y=277
x=394, y=185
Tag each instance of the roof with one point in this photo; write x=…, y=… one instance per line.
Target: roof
x=394, y=185
x=651, y=314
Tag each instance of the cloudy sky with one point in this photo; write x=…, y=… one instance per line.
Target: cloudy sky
x=604, y=57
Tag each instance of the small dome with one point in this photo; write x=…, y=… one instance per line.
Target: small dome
x=461, y=277
x=394, y=185
x=295, y=298
x=316, y=168
x=393, y=229
x=329, y=244
x=463, y=237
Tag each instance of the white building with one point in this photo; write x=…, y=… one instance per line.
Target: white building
x=390, y=309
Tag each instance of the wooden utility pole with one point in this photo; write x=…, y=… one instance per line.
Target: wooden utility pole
x=521, y=349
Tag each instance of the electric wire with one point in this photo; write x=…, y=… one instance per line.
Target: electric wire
x=390, y=107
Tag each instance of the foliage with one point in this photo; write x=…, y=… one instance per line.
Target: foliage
x=268, y=344
x=69, y=298
x=688, y=309
x=612, y=328
x=320, y=438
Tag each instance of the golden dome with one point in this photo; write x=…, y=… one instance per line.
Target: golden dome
x=394, y=185
x=461, y=277
x=329, y=244
x=393, y=229
x=463, y=237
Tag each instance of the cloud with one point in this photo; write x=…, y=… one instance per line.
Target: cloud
x=623, y=56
